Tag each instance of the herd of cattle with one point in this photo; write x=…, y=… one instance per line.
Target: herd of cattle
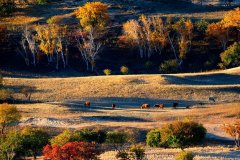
x=143, y=106
x=161, y=105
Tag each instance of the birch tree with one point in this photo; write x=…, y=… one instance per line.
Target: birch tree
x=89, y=47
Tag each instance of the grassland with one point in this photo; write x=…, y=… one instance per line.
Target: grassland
x=58, y=103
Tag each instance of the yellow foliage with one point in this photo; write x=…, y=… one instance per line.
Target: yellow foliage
x=131, y=29
x=219, y=32
x=93, y=15
x=232, y=18
x=8, y=114
x=48, y=36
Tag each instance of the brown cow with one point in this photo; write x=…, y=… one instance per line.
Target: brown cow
x=159, y=105
x=145, y=106
x=113, y=106
x=87, y=103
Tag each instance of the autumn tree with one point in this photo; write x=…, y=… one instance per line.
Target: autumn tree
x=232, y=19
x=219, y=32
x=29, y=45
x=234, y=131
x=148, y=35
x=93, y=15
x=89, y=46
x=10, y=145
x=8, y=115
x=132, y=35
x=53, y=42
x=184, y=29
x=93, y=18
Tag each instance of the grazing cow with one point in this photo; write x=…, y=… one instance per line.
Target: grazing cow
x=212, y=99
x=87, y=103
x=175, y=104
x=113, y=106
x=145, y=106
x=159, y=106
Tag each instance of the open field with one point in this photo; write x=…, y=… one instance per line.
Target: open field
x=60, y=104
x=187, y=89
x=61, y=99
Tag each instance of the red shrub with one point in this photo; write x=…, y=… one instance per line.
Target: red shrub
x=71, y=151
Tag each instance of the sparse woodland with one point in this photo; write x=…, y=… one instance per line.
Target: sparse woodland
x=169, y=44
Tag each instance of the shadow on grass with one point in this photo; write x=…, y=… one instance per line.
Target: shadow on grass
x=114, y=119
x=209, y=79
x=130, y=104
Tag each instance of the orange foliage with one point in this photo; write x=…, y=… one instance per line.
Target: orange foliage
x=232, y=18
x=71, y=150
x=219, y=32
x=234, y=131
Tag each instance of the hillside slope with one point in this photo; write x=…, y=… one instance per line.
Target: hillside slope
x=188, y=88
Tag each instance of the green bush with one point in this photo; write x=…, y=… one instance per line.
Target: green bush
x=169, y=66
x=124, y=70
x=62, y=138
x=40, y=2
x=33, y=141
x=107, y=72
x=153, y=138
x=184, y=156
x=138, y=150
x=201, y=25
x=148, y=65
x=231, y=56
x=87, y=135
x=84, y=135
x=7, y=8
x=182, y=134
x=117, y=137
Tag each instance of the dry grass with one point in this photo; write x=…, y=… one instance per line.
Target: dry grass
x=202, y=153
x=188, y=89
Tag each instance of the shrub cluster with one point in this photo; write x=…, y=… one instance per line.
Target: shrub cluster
x=184, y=156
x=28, y=142
x=84, y=135
x=71, y=150
x=177, y=134
x=124, y=70
x=169, y=66
x=107, y=72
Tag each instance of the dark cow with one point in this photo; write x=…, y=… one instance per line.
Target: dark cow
x=113, y=106
x=87, y=103
x=187, y=107
x=175, y=104
x=212, y=99
x=145, y=106
x=159, y=105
